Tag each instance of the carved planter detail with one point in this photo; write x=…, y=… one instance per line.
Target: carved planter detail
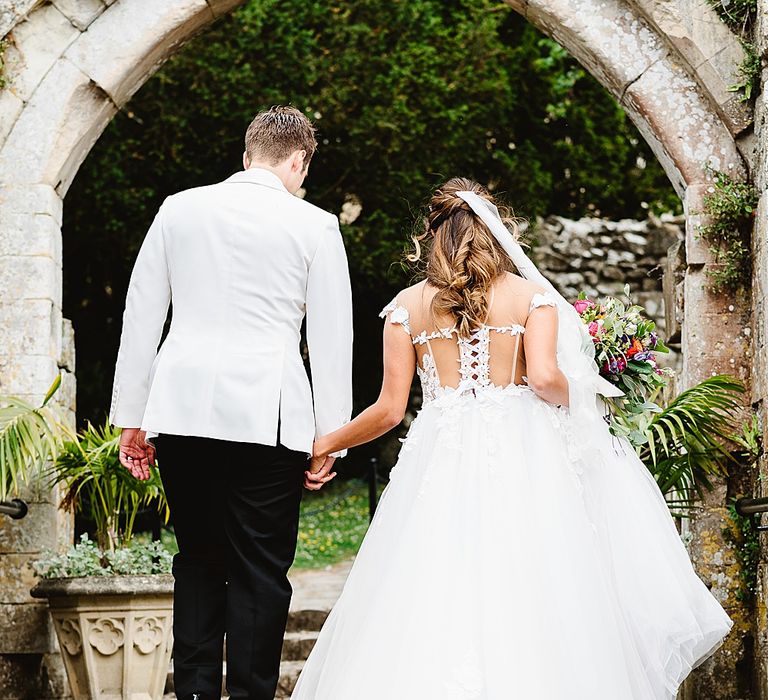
x=114, y=633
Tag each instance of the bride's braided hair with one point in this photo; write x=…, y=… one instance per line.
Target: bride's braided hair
x=463, y=258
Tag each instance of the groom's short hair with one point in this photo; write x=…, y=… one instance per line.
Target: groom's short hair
x=277, y=132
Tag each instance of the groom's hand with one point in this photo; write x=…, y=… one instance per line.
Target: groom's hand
x=136, y=454
x=319, y=473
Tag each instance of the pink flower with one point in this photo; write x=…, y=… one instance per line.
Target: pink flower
x=581, y=305
x=593, y=328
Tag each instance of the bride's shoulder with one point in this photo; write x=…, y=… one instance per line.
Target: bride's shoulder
x=406, y=302
x=518, y=286
x=524, y=295
x=415, y=293
x=410, y=296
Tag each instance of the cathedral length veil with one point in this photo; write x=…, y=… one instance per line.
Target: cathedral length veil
x=676, y=622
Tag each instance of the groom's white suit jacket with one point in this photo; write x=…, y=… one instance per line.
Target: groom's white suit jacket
x=241, y=262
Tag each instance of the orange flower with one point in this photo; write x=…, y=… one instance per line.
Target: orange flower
x=637, y=347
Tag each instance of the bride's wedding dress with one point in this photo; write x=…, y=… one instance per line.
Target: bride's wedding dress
x=504, y=563
x=519, y=550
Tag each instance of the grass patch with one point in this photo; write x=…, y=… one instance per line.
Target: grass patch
x=333, y=523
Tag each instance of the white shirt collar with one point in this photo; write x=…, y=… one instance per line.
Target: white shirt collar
x=258, y=176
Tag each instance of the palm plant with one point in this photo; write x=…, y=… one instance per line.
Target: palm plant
x=690, y=440
x=30, y=436
x=101, y=489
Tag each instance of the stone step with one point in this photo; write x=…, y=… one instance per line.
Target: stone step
x=289, y=674
x=297, y=645
x=296, y=648
x=315, y=592
x=308, y=620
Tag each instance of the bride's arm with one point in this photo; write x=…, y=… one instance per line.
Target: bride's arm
x=540, y=343
x=389, y=409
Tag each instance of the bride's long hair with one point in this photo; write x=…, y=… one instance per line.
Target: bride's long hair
x=463, y=258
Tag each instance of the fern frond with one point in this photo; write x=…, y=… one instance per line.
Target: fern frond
x=30, y=436
x=687, y=442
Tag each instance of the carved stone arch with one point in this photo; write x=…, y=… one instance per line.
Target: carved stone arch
x=71, y=64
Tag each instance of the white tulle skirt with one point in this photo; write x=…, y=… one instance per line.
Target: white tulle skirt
x=497, y=567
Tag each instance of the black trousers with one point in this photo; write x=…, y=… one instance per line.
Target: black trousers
x=235, y=510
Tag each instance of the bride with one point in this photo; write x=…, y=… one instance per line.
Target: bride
x=519, y=550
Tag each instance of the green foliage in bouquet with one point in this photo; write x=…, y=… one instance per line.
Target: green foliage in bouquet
x=101, y=489
x=626, y=343
x=30, y=436
x=689, y=440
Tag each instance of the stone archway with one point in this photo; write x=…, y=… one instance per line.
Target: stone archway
x=72, y=64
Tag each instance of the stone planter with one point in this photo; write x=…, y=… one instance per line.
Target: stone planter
x=114, y=633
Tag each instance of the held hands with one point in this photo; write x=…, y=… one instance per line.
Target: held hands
x=319, y=472
x=136, y=454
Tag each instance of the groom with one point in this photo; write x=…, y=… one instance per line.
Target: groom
x=242, y=263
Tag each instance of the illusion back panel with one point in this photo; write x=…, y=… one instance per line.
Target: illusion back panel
x=494, y=354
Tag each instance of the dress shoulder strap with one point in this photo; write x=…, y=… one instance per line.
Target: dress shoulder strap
x=541, y=299
x=397, y=314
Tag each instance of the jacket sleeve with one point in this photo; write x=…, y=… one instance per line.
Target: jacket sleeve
x=329, y=332
x=146, y=308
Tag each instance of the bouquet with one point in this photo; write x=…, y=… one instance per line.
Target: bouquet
x=626, y=343
x=682, y=443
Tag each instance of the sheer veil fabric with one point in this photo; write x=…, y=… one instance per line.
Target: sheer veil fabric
x=519, y=549
x=575, y=349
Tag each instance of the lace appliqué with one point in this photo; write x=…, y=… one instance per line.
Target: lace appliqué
x=514, y=329
x=430, y=382
x=539, y=299
x=423, y=338
x=474, y=357
x=397, y=314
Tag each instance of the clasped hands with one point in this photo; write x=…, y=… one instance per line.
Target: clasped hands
x=320, y=465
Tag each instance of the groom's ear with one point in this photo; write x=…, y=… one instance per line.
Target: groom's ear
x=246, y=161
x=300, y=163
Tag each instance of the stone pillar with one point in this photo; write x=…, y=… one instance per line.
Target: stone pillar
x=35, y=344
x=760, y=337
x=715, y=340
x=68, y=66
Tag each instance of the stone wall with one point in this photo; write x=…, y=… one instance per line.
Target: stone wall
x=38, y=673
x=760, y=336
x=599, y=257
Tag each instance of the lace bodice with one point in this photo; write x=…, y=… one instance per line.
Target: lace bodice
x=474, y=356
